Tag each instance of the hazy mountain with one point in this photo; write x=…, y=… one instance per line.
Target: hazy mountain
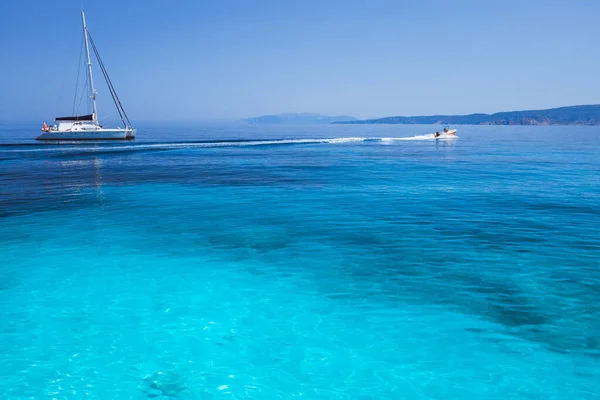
x=298, y=118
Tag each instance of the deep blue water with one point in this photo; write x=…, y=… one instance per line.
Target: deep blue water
x=208, y=262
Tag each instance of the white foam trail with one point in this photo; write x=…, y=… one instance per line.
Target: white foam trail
x=429, y=136
x=241, y=143
x=238, y=144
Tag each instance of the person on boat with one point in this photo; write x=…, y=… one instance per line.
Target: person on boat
x=445, y=130
x=436, y=134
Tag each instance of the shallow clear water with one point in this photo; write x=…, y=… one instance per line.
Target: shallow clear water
x=207, y=262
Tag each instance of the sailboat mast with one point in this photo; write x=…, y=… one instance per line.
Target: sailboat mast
x=89, y=64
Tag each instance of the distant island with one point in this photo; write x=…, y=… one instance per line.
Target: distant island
x=298, y=118
x=574, y=115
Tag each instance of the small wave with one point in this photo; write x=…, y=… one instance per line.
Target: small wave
x=102, y=147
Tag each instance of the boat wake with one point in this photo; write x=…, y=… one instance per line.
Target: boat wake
x=429, y=136
x=104, y=147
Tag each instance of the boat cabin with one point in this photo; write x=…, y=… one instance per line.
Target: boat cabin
x=78, y=123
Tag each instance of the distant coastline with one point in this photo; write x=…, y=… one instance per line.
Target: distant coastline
x=298, y=118
x=573, y=115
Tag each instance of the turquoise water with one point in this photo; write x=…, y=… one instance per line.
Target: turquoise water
x=209, y=262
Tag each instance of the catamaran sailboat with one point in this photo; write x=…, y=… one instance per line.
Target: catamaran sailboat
x=87, y=127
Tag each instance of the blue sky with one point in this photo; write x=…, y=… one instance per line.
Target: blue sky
x=194, y=60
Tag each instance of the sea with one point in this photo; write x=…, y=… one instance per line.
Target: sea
x=356, y=262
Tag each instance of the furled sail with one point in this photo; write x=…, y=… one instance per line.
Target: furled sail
x=77, y=118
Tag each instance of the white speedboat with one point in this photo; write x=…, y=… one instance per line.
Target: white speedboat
x=446, y=133
x=87, y=127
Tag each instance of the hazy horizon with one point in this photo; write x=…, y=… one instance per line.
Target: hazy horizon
x=224, y=61
x=242, y=119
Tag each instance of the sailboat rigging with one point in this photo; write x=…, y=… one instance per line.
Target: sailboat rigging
x=87, y=127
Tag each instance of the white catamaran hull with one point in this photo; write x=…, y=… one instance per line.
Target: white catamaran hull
x=99, y=134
